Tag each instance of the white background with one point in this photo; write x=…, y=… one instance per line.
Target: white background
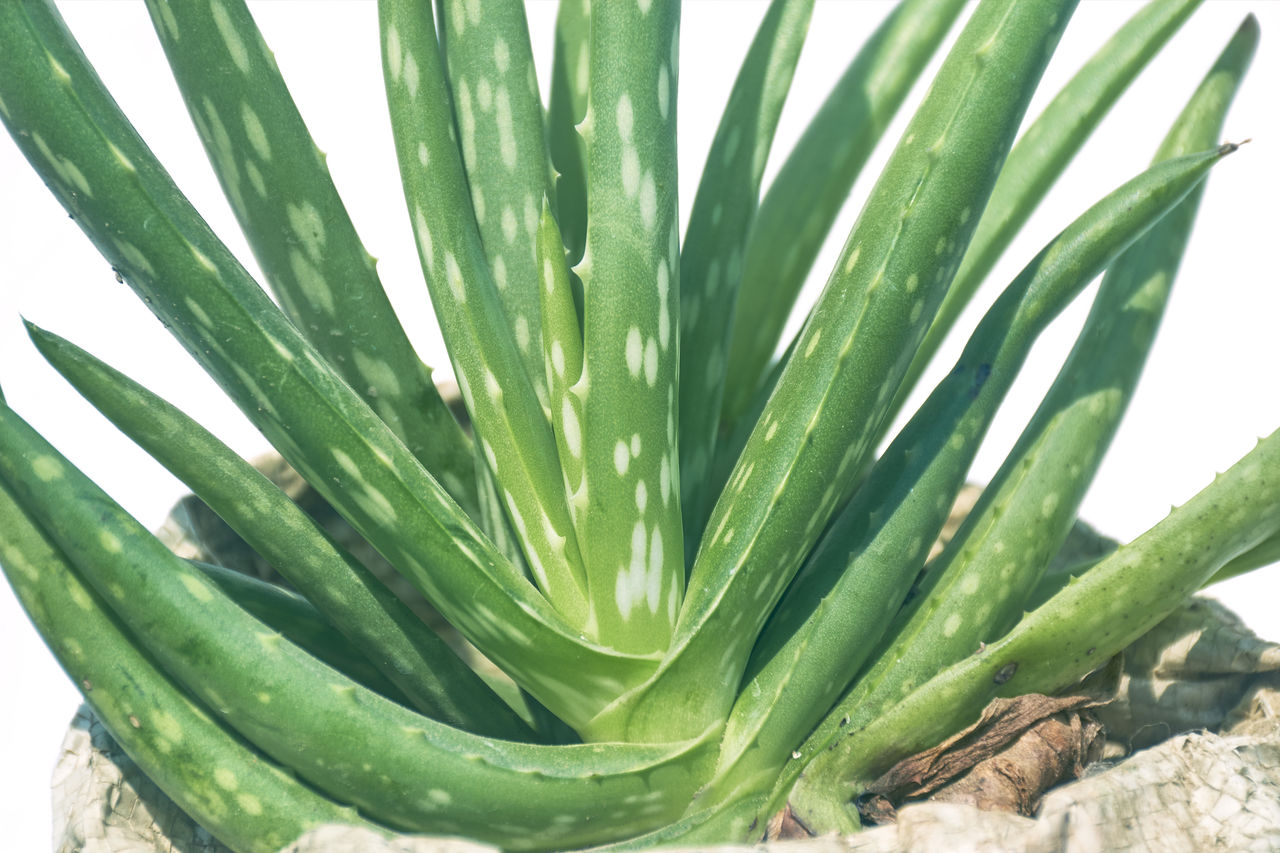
x=1209, y=391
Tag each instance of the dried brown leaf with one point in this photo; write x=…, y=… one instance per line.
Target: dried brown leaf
x=1016, y=750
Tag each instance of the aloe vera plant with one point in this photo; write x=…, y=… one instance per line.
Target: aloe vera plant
x=693, y=564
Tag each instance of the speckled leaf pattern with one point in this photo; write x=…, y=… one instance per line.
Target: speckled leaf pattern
x=236, y=791
x=562, y=348
x=1090, y=620
x=511, y=429
x=696, y=592
x=627, y=505
x=715, y=242
x=104, y=174
x=493, y=516
x=389, y=633
x=299, y=622
x=375, y=758
x=799, y=461
x=500, y=130
x=1029, y=506
x=280, y=191
x=813, y=183
x=1045, y=150
x=835, y=611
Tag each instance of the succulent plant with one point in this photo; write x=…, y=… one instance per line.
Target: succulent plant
x=701, y=568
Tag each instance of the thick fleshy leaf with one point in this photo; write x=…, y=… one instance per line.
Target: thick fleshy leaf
x=344, y=739
x=510, y=426
x=232, y=789
x=489, y=63
x=298, y=621
x=813, y=183
x=570, y=70
x=627, y=505
x=715, y=242
x=1072, y=634
x=817, y=427
x=408, y=652
x=1045, y=150
x=562, y=348
x=1026, y=512
x=280, y=191
x=836, y=610
x=100, y=170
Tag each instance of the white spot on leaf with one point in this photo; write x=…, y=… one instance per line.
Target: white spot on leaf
x=648, y=201
x=231, y=38
x=501, y=55
x=634, y=352
x=572, y=432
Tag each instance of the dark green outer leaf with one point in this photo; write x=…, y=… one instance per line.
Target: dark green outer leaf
x=838, y=607
x=301, y=624
x=377, y=622
x=974, y=591
x=281, y=193
x=404, y=769
x=1077, y=631
x=230, y=788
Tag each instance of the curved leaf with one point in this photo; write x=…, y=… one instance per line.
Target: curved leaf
x=280, y=191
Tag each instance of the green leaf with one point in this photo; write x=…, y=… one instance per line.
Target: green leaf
x=407, y=652
x=232, y=790
x=301, y=624
x=975, y=590
x=1028, y=509
x=510, y=426
x=562, y=348
x=104, y=175
x=490, y=70
x=627, y=506
x=280, y=191
x=349, y=742
x=813, y=183
x=834, y=614
x=715, y=241
x=798, y=463
x=1264, y=553
x=1044, y=151
x=1074, y=633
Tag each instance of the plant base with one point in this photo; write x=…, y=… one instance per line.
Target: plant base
x=1199, y=669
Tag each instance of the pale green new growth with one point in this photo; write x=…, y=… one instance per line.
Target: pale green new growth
x=703, y=583
x=496, y=387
